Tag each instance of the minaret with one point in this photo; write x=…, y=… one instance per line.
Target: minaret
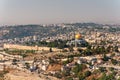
x=75, y=39
x=96, y=36
x=76, y=43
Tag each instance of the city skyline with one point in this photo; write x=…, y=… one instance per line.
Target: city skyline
x=59, y=11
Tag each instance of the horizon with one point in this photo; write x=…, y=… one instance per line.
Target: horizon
x=22, y=12
x=59, y=24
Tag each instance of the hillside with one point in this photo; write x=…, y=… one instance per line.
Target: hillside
x=20, y=31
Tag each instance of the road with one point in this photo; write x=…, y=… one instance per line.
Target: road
x=108, y=66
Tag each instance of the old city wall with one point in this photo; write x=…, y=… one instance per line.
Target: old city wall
x=21, y=47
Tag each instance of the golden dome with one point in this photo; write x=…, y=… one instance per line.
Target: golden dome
x=78, y=36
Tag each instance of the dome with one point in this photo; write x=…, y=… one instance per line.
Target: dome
x=77, y=36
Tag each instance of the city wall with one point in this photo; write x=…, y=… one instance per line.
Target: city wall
x=21, y=47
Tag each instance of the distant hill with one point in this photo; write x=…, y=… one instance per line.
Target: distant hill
x=20, y=31
x=30, y=30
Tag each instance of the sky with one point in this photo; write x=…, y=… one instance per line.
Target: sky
x=59, y=11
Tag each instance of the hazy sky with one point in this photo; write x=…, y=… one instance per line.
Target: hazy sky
x=59, y=11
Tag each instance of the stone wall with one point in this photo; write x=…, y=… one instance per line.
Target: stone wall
x=21, y=47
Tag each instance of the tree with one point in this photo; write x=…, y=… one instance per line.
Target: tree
x=78, y=68
x=87, y=52
x=102, y=69
x=111, y=69
x=116, y=49
x=103, y=77
x=108, y=49
x=23, y=55
x=105, y=58
x=89, y=47
x=114, y=61
x=51, y=50
x=70, y=78
x=112, y=55
x=66, y=73
x=71, y=49
x=81, y=77
x=65, y=62
x=111, y=77
x=75, y=70
x=51, y=61
x=87, y=73
x=27, y=65
x=14, y=61
x=58, y=75
x=80, y=50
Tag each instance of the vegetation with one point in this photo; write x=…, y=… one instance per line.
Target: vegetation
x=107, y=77
x=87, y=73
x=2, y=73
x=67, y=61
x=105, y=58
x=114, y=62
x=27, y=65
x=19, y=52
x=57, y=43
x=78, y=68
